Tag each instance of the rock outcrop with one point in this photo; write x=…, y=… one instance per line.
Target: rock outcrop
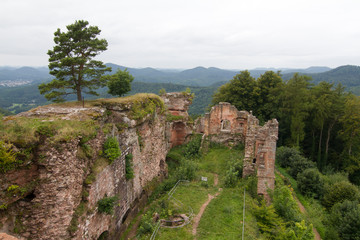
x=54, y=193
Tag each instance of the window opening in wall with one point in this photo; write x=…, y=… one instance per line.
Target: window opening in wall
x=225, y=125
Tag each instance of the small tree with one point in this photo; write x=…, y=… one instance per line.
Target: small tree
x=119, y=83
x=71, y=62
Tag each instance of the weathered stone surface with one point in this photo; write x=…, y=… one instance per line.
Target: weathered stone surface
x=60, y=173
x=4, y=236
x=225, y=124
x=178, y=130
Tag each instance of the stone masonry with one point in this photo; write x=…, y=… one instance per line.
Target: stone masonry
x=225, y=124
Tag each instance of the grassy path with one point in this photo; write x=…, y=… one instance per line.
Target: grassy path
x=197, y=218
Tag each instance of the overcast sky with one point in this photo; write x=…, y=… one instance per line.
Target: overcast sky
x=231, y=34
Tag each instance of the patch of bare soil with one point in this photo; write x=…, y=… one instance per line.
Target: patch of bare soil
x=197, y=218
x=216, y=179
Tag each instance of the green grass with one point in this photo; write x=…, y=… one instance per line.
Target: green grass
x=194, y=194
x=224, y=215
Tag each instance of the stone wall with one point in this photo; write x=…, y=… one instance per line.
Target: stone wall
x=225, y=124
x=178, y=128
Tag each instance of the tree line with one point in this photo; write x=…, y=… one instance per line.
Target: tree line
x=323, y=120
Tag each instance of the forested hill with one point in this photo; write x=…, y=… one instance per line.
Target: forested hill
x=199, y=76
x=348, y=76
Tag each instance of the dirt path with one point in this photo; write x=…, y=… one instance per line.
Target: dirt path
x=216, y=179
x=197, y=218
x=303, y=210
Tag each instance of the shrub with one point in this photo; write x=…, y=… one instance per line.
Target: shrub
x=339, y=192
x=111, y=149
x=233, y=174
x=193, y=147
x=267, y=220
x=345, y=219
x=283, y=155
x=310, y=183
x=106, y=205
x=129, y=172
x=186, y=170
x=146, y=225
x=285, y=205
x=46, y=130
x=8, y=160
x=299, y=164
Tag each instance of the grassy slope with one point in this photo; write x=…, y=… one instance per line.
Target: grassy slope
x=223, y=216
x=315, y=212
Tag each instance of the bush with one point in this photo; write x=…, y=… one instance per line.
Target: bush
x=146, y=225
x=345, y=219
x=193, y=147
x=285, y=205
x=129, y=172
x=111, y=149
x=283, y=155
x=233, y=174
x=186, y=170
x=299, y=164
x=339, y=192
x=106, y=205
x=310, y=183
x=8, y=160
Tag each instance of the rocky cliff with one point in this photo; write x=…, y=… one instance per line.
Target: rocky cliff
x=64, y=178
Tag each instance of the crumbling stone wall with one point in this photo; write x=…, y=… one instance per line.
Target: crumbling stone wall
x=60, y=174
x=178, y=128
x=225, y=124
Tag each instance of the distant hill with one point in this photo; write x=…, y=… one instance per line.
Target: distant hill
x=24, y=73
x=199, y=76
x=348, y=76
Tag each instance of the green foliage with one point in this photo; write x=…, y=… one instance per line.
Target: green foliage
x=240, y=92
x=233, y=174
x=269, y=223
x=299, y=164
x=129, y=172
x=146, y=225
x=70, y=62
x=285, y=205
x=46, y=130
x=79, y=211
x=193, y=147
x=284, y=154
x=162, y=91
x=186, y=170
x=111, y=149
x=345, y=219
x=173, y=118
x=147, y=106
x=119, y=83
x=339, y=192
x=300, y=231
x=106, y=205
x=310, y=183
x=8, y=159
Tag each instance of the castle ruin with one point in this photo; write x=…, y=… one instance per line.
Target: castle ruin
x=225, y=124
